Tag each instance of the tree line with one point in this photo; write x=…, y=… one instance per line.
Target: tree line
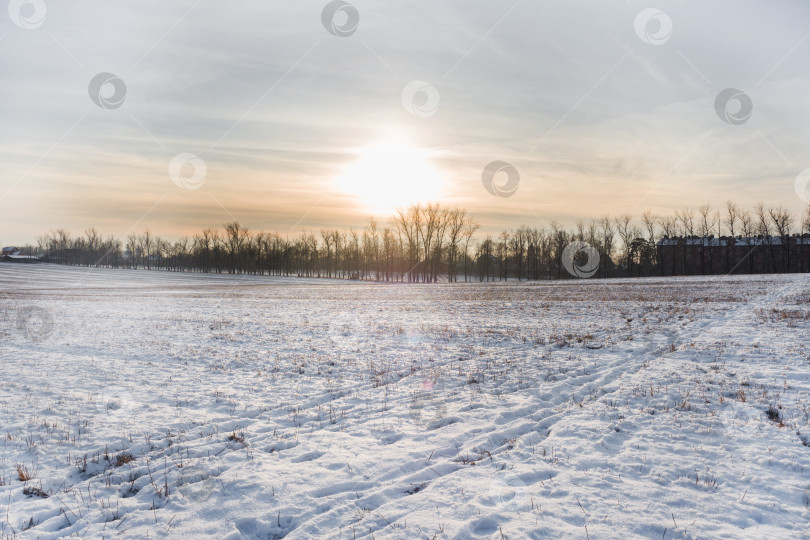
x=422, y=243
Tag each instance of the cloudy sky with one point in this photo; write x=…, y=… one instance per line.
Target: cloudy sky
x=288, y=115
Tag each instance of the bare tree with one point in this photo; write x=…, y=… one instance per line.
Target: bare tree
x=805, y=231
x=732, y=215
x=607, y=234
x=764, y=229
x=517, y=247
x=469, y=230
x=650, y=220
x=146, y=247
x=373, y=253
x=686, y=217
x=705, y=227
x=560, y=239
x=456, y=220
x=782, y=220
x=624, y=226
x=408, y=224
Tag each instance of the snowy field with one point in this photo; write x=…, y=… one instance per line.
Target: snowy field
x=150, y=404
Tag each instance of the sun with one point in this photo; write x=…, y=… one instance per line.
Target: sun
x=389, y=175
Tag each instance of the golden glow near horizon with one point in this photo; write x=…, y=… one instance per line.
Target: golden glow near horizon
x=391, y=174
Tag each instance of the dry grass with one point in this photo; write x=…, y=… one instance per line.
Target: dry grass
x=35, y=492
x=23, y=473
x=790, y=316
x=775, y=416
x=468, y=460
x=237, y=437
x=123, y=458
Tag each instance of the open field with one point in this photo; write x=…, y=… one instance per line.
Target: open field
x=142, y=404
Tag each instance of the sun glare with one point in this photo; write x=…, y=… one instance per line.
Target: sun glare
x=389, y=175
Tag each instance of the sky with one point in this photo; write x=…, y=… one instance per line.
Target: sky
x=302, y=114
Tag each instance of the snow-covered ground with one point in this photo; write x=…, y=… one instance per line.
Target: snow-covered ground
x=146, y=404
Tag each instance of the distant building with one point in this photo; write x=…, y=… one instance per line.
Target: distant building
x=15, y=254
x=696, y=255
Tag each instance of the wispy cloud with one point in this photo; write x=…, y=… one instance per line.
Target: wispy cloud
x=277, y=106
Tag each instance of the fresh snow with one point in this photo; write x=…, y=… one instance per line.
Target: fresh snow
x=258, y=407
